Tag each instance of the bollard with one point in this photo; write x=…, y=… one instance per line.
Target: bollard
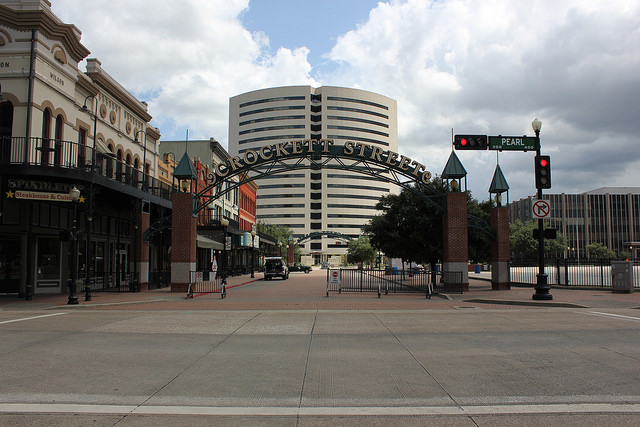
x=28, y=295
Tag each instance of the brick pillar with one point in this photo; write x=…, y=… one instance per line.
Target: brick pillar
x=183, y=241
x=500, y=250
x=290, y=257
x=142, y=257
x=456, y=242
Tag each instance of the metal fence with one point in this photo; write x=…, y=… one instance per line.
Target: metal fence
x=206, y=282
x=578, y=273
x=109, y=282
x=397, y=281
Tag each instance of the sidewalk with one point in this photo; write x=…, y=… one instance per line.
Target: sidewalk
x=307, y=292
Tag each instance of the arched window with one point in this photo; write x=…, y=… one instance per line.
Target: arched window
x=57, y=152
x=6, y=125
x=119, y=165
x=46, y=135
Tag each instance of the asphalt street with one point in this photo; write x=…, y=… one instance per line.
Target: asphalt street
x=282, y=353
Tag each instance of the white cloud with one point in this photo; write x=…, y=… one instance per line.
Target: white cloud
x=491, y=67
x=186, y=58
x=487, y=66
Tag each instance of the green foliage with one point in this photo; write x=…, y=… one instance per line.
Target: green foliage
x=523, y=244
x=360, y=251
x=479, y=243
x=279, y=233
x=599, y=251
x=409, y=227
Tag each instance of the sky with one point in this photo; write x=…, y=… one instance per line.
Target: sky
x=454, y=66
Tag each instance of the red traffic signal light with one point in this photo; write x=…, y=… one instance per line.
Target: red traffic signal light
x=543, y=171
x=470, y=142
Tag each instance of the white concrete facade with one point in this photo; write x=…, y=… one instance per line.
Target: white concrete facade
x=315, y=200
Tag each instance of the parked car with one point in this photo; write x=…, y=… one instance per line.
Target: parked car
x=299, y=267
x=275, y=267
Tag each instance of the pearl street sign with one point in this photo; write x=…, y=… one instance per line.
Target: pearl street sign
x=512, y=143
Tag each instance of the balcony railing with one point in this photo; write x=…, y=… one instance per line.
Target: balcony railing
x=54, y=153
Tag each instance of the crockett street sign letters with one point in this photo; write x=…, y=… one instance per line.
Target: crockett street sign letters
x=313, y=149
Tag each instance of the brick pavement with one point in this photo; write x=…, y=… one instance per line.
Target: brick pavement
x=308, y=292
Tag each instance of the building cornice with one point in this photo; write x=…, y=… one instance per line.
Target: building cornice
x=46, y=23
x=106, y=82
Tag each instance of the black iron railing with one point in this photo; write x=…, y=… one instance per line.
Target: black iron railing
x=390, y=281
x=53, y=153
x=572, y=272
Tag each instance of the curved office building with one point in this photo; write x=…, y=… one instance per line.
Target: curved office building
x=315, y=200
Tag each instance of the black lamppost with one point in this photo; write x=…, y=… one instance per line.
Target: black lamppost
x=253, y=249
x=89, y=253
x=74, y=193
x=542, y=285
x=144, y=157
x=224, y=223
x=95, y=121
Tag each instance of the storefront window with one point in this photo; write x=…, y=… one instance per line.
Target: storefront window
x=48, y=259
x=9, y=266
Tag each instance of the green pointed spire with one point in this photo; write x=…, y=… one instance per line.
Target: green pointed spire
x=499, y=182
x=454, y=168
x=185, y=169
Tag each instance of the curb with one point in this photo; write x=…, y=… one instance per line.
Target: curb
x=527, y=303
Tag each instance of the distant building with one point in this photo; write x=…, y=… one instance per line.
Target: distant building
x=321, y=200
x=238, y=207
x=607, y=215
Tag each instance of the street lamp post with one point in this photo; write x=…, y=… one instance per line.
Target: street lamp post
x=253, y=249
x=224, y=223
x=144, y=157
x=542, y=285
x=74, y=193
x=89, y=253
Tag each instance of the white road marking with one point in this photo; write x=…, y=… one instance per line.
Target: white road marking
x=574, y=408
x=30, y=318
x=597, y=313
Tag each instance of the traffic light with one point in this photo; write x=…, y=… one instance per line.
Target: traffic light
x=543, y=172
x=470, y=142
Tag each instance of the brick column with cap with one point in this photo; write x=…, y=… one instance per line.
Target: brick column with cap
x=500, y=250
x=183, y=241
x=456, y=243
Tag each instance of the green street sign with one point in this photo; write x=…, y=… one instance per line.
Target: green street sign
x=512, y=143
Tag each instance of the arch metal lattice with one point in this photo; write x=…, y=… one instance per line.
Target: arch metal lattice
x=384, y=165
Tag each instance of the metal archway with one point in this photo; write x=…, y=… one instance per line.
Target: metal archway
x=331, y=234
x=385, y=165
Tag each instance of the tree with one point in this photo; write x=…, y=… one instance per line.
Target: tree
x=523, y=244
x=479, y=242
x=409, y=227
x=280, y=233
x=360, y=250
x=599, y=251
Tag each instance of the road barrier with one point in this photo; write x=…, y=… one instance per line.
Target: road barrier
x=206, y=282
x=395, y=281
